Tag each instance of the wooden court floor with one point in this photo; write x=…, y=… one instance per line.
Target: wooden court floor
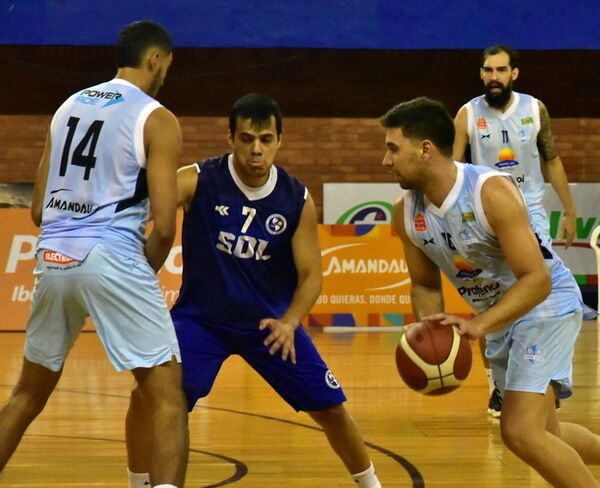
x=243, y=435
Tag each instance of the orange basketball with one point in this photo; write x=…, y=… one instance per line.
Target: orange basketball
x=433, y=359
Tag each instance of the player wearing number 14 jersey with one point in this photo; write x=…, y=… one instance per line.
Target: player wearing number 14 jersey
x=110, y=155
x=251, y=272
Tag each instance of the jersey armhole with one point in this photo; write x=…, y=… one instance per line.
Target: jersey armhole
x=138, y=134
x=470, y=134
x=536, y=115
x=479, y=211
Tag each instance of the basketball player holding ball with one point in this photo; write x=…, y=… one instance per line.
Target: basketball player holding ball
x=471, y=223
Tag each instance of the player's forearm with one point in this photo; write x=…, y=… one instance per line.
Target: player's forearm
x=426, y=301
x=304, y=298
x=529, y=291
x=558, y=179
x=158, y=246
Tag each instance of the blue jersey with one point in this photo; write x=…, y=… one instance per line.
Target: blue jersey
x=238, y=265
x=96, y=188
x=458, y=238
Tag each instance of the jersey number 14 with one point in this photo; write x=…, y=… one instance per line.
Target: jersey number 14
x=88, y=143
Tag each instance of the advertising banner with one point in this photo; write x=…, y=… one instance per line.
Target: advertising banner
x=17, y=254
x=371, y=203
x=365, y=279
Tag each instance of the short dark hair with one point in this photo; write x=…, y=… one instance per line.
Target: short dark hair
x=136, y=38
x=513, y=56
x=423, y=118
x=256, y=107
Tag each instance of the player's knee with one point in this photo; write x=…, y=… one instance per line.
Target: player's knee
x=515, y=436
x=30, y=400
x=331, y=416
x=172, y=408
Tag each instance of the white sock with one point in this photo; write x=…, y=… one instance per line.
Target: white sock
x=138, y=480
x=491, y=384
x=165, y=485
x=367, y=479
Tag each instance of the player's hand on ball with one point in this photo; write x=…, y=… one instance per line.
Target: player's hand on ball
x=466, y=327
x=281, y=337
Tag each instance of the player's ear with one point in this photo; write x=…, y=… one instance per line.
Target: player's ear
x=426, y=147
x=229, y=139
x=515, y=73
x=152, y=59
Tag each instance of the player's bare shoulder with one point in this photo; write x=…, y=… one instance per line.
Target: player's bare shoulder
x=187, y=182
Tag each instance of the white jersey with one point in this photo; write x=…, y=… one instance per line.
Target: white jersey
x=508, y=141
x=458, y=238
x=96, y=188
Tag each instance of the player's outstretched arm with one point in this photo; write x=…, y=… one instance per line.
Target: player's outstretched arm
x=39, y=188
x=307, y=259
x=162, y=139
x=507, y=216
x=554, y=171
x=426, y=289
x=461, y=135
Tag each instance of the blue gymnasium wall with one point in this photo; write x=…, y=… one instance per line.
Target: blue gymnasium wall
x=371, y=24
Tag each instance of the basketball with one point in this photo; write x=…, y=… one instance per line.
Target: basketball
x=433, y=359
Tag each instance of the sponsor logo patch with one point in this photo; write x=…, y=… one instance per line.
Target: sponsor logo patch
x=481, y=123
x=420, y=224
x=468, y=217
x=57, y=258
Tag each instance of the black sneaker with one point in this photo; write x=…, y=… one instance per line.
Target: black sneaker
x=495, y=404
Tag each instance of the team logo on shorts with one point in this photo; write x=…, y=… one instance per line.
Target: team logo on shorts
x=534, y=354
x=275, y=224
x=331, y=381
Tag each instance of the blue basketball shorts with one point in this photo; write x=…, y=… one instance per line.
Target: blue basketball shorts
x=534, y=352
x=122, y=296
x=307, y=385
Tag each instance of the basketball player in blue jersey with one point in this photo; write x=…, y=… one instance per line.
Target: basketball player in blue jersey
x=111, y=153
x=510, y=131
x=251, y=272
x=471, y=223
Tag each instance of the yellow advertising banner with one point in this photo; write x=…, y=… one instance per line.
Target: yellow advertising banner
x=365, y=278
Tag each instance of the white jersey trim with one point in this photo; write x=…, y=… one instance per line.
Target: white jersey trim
x=470, y=126
x=479, y=210
x=138, y=136
x=452, y=194
x=513, y=106
x=408, y=212
x=250, y=192
x=536, y=113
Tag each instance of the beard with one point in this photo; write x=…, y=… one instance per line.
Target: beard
x=499, y=99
